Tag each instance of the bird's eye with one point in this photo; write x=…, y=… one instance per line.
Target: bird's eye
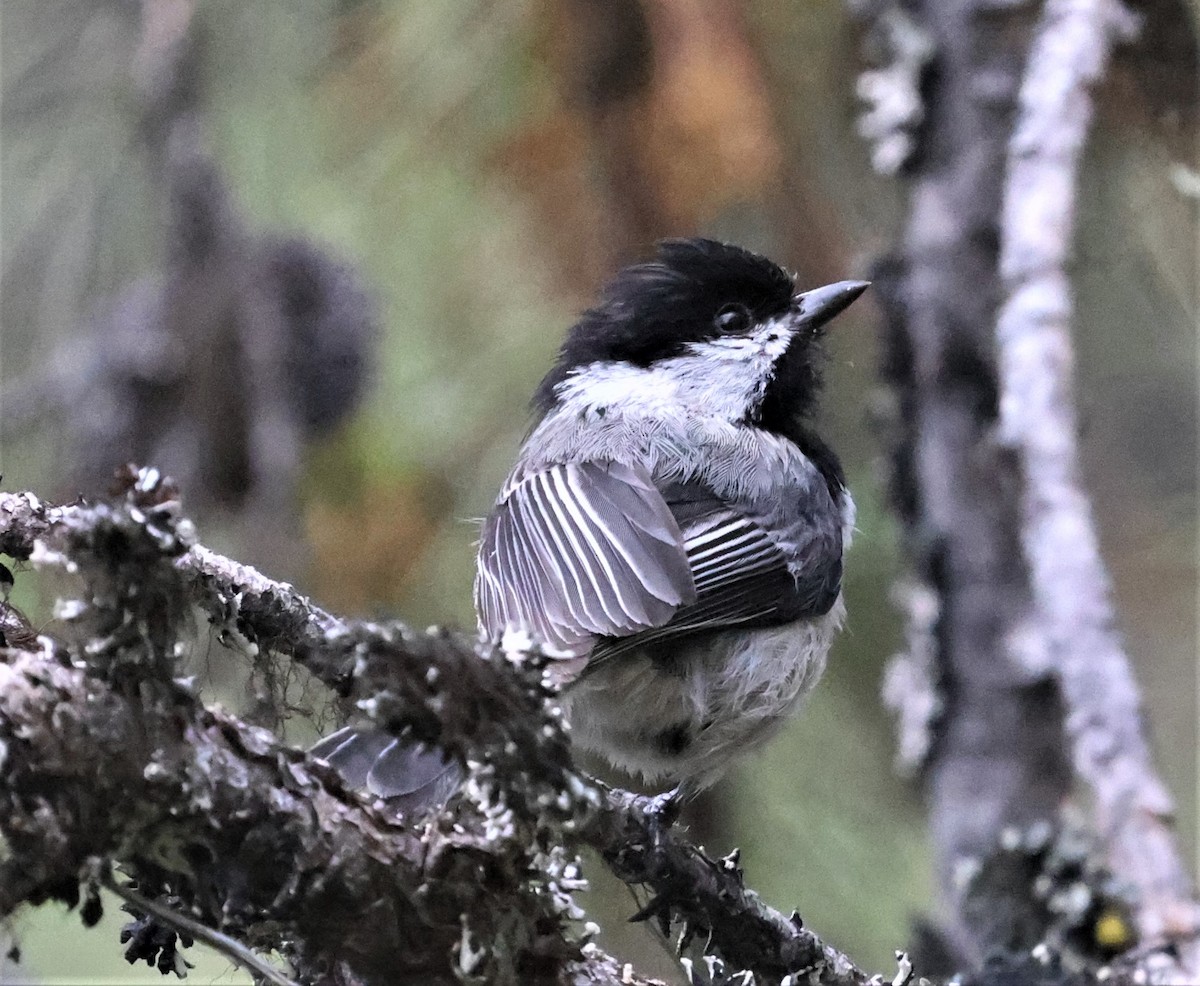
x=732, y=319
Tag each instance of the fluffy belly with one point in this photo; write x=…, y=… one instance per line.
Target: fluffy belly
x=683, y=714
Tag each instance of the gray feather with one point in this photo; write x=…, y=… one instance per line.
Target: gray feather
x=406, y=774
x=578, y=551
x=749, y=570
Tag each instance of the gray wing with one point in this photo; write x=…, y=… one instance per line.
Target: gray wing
x=578, y=551
x=745, y=576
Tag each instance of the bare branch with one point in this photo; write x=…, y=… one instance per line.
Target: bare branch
x=988, y=719
x=1072, y=590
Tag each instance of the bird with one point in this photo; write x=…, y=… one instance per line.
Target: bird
x=673, y=530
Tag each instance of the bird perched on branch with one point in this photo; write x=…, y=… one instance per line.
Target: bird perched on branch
x=673, y=529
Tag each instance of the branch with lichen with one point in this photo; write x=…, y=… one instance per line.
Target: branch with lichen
x=1072, y=591
x=264, y=845
x=109, y=758
x=1015, y=681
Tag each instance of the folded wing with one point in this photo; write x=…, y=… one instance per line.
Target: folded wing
x=580, y=551
x=748, y=572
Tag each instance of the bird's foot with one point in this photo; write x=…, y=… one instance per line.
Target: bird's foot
x=662, y=810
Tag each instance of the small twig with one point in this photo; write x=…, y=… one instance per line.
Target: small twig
x=232, y=949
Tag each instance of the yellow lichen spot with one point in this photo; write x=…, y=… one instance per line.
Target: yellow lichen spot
x=1113, y=932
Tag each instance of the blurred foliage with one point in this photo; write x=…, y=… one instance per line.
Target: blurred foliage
x=484, y=164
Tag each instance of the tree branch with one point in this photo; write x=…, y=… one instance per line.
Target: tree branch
x=1072, y=590
x=477, y=705
x=709, y=897
x=986, y=718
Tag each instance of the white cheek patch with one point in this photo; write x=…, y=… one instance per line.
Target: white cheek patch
x=767, y=343
x=773, y=339
x=737, y=349
x=721, y=377
x=614, y=384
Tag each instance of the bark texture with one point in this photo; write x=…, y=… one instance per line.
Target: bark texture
x=996, y=757
x=109, y=758
x=1016, y=682
x=1071, y=586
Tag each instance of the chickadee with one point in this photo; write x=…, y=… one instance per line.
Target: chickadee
x=673, y=529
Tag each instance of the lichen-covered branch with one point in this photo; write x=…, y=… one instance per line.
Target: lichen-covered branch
x=995, y=757
x=108, y=757
x=258, y=841
x=347, y=887
x=1072, y=590
x=708, y=897
x=434, y=684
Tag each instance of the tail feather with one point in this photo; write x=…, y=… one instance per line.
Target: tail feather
x=408, y=775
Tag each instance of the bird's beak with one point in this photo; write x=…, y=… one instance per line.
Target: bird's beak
x=816, y=307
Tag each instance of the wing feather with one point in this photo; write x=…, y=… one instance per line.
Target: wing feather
x=522, y=563
x=636, y=576
x=574, y=593
x=592, y=556
x=599, y=565
x=579, y=551
x=743, y=575
x=535, y=518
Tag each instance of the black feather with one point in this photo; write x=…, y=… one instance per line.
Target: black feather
x=818, y=452
x=791, y=394
x=653, y=310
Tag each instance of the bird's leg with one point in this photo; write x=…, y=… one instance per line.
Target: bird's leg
x=661, y=812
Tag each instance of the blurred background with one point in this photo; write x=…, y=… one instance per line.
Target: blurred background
x=311, y=257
